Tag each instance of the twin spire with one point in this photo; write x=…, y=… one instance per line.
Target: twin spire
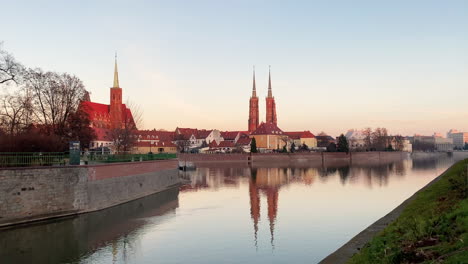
x=116, y=74
x=254, y=89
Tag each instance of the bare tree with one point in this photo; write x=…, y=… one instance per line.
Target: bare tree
x=380, y=139
x=398, y=142
x=367, y=132
x=10, y=69
x=125, y=136
x=55, y=97
x=14, y=112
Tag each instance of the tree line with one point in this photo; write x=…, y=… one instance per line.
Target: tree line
x=40, y=110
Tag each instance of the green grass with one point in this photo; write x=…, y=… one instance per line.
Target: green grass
x=433, y=228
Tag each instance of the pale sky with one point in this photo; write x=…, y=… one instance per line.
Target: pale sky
x=335, y=65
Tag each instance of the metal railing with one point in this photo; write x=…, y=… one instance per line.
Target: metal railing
x=99, y=157
x=22, y=159
x=29, y=159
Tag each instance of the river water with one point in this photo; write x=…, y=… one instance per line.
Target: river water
x=231, y=213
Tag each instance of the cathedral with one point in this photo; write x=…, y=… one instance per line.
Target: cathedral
x=109, y=116
x=253, y=122
x=106, y=117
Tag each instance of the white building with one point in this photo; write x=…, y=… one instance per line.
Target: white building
x=459, y=138
x=443, y=144
x=356, y=139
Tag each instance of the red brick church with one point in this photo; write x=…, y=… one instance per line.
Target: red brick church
x=105, y=117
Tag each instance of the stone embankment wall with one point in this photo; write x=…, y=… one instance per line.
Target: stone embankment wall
x=29, y=194
x=326, y=158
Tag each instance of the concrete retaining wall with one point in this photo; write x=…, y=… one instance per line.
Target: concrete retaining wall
x=29, y=194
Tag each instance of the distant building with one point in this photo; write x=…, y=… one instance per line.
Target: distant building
x=154, y=136
x=431, y=143
x=443, y=144
x=233, y=136
x=356, y=139
x=269, y=137
x=324, y=140
x=244, y=143
x=192, y=138
x=302, y=137
x=144, y=147
x=459, y=138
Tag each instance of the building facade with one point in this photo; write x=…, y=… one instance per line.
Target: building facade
x=302, y=137
x=459, y=138
x=269, y=137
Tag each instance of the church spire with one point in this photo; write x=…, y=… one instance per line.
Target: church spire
x=254, y=89
x=270, y=94
x=116, y=73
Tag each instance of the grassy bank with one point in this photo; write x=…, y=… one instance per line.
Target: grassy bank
x=433, y=228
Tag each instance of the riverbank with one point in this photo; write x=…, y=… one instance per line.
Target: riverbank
x=432, y=225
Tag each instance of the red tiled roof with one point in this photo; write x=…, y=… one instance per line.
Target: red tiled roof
x=156, y=135
x=213, y=144
x=229, y=135
x=244, y=141
x=186, y=131
x=202, y=134
x=226, y=144
x=95, y=107
x=267, y=129
x=299, y=134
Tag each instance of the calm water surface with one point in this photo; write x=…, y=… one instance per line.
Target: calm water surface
x=231, y=214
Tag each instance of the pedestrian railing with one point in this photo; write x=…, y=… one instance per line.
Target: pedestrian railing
x=22, y=159
x=124, y=157
x=28, y=159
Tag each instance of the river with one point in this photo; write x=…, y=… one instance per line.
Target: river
x=231, y=213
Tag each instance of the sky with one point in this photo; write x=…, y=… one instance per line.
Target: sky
x=335, y=65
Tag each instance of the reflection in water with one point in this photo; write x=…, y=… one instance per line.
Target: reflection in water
x=76, y=238
x=268, y=181
x=211, y=219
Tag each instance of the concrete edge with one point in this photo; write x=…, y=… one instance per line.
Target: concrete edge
x=355, y=244
x=56, y=217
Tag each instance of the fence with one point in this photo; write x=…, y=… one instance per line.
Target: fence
x=124, y=157
x=22, y=159
x=27, y=159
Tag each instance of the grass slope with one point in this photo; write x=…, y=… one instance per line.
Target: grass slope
x=433, y=228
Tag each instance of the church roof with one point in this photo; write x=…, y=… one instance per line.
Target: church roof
x=267, y=129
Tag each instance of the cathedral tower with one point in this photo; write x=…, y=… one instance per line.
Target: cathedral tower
x=253, y=108
x=115, y=110
x=270, y=103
